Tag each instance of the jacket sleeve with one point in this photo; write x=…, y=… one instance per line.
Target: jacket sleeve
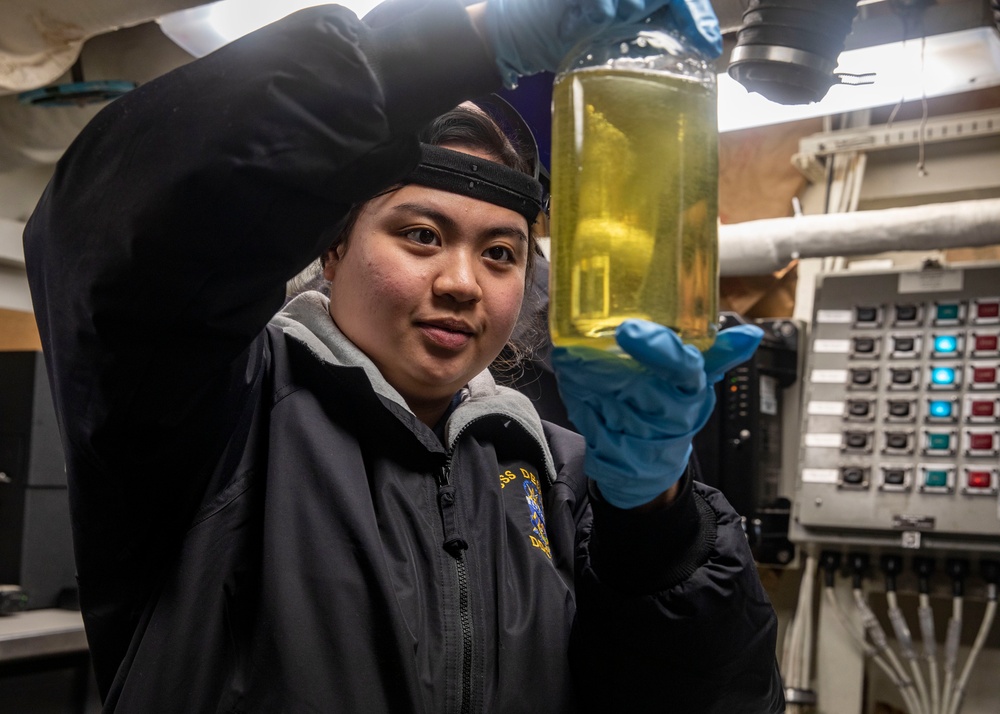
x=671, y=614
x=161, y=247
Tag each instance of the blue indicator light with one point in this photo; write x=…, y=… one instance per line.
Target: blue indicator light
x=940, y=409
x=943, y=375
x=945, y=344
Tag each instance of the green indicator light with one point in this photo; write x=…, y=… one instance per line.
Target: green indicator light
x=938, y=442
x=936, y=479
x=948, y=311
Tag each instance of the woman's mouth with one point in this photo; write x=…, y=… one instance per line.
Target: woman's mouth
x=446, y=335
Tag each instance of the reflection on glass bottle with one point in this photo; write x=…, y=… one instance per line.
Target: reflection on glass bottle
x=635, y=185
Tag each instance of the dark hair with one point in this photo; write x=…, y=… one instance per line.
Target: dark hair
x=468, y=126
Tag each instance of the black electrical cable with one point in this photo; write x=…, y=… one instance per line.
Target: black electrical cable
x=924, y=568
x=892, y=565
x=830, y=562
x=958, y=569
x=858, y=563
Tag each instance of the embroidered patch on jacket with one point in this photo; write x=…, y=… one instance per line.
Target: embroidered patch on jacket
x=533, y=495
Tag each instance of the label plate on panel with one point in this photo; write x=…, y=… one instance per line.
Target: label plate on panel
x=825, y=409
x=931, y=281
x=908, y=522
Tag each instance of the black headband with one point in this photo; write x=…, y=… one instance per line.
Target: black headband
x=472, y=176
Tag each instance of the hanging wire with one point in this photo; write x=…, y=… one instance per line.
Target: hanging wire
x=926, y=616
x=905, y=640
x=872, y=652
x=921, y=168
x=881, y=643
x=911, y=12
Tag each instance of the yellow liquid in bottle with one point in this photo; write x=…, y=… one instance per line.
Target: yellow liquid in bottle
x=634, y=206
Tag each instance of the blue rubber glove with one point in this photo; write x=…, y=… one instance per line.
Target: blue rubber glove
x=530, y=36
x=639, y=416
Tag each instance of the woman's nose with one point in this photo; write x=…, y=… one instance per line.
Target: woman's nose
x=457, y=278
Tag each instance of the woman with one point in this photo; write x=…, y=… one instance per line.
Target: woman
x=337, y=509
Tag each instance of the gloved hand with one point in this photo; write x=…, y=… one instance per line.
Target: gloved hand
x=530, y=36
x=639, y=416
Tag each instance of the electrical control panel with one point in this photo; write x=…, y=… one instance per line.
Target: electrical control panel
x=901, y=410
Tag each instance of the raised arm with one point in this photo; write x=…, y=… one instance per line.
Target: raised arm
x=162, y=245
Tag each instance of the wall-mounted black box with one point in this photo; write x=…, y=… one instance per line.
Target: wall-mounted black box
x=740, y=449
x=36, y=550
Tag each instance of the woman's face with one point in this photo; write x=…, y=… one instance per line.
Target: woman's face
x=429, y=285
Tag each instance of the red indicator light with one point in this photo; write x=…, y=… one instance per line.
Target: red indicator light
x=982, y=408
x=980, y=479
x=986, y=343
x=984, y=374
x=981, y=442
x=987, y=309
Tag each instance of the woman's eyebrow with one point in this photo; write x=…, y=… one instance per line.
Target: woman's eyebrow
x=511, y=231
x=449, y=223
x=419, y=209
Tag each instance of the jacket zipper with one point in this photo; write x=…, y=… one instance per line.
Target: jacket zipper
x=456, y=546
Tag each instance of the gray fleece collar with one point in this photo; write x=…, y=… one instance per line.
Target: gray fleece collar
x=306, y=319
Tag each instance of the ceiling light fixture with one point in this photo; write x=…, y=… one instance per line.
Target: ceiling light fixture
x=933, y=66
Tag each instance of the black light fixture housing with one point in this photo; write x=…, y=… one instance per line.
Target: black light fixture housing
x=787, y=50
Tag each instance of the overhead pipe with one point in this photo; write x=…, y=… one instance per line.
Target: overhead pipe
x=40, y=40
x=765, y=246
x=36, y=135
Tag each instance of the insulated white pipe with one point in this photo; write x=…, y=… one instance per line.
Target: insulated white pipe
x=765, y=246
x=32, y=135
x=40, y=40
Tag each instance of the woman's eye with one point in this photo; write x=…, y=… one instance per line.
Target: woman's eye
x=423, y=236
x=499, y=252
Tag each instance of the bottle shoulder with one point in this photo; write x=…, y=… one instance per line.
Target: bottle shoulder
x=640, y=48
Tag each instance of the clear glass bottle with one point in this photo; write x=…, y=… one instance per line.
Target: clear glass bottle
x=634, y=189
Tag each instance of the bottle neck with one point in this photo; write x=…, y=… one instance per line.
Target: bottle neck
x=651, y=45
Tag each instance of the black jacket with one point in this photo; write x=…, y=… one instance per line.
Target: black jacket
x=260, y=524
